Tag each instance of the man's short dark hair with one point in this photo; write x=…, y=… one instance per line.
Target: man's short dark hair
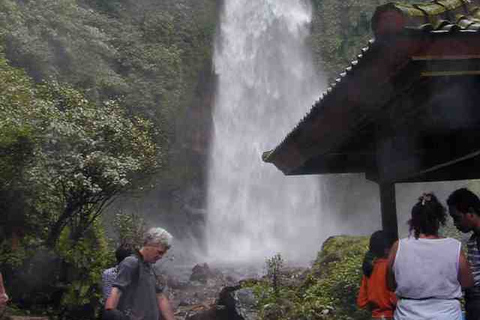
x=464, y=199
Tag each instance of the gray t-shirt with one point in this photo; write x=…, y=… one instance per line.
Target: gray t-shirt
x=138, y=283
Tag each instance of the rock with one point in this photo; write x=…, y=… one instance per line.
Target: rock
x=183, y=303
x=201, y=273
x=175, y=283
x=225, y=297
x=210, y=295
x=245, y=302
x=239, y=303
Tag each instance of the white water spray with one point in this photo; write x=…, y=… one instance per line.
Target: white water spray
x=267, y=83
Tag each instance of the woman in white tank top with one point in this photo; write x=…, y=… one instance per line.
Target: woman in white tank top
x=426, y=271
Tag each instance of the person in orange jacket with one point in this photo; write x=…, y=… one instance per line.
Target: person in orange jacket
x=374, y=293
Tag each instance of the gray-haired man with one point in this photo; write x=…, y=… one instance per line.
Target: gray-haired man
x=136, y=295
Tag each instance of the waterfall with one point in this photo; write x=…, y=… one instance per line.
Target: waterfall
x=266, y=83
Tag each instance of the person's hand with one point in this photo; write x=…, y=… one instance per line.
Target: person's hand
x=3, y=300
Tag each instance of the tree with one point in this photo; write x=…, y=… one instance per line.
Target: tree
x=81, y=155
x=130, y=229
x=88, y=155
x=17, y=142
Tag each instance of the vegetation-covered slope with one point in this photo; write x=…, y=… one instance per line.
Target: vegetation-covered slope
x=95, y=96
x=154, y=57
x=328, y=290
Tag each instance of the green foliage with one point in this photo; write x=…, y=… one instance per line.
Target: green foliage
x=274, y=271
x=65, y=283
x=17, y=141
x=129, y=228
x=88, y=154
x=340, y=29
x=329, y=290
x=12, y=258
x=146, y=54
x=85, y=259
x=75, y=137
x=63, y=159
x=17, y=136
x=274, y=304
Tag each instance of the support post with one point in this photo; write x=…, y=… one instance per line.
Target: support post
x=389, y=209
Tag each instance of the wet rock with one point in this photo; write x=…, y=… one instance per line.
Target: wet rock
x=175, y=283
x=202, y=272
x=245, y=302
x=239, y=303
x=225, y=296
x=183, y=303
x=211, y=296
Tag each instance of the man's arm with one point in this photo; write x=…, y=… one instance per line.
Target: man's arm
x=465, y=276
x=113, y=298
x=165, y=307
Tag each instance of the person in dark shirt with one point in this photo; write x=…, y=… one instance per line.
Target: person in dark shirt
x=109, y=275
x=136, y=293
x=464, y=208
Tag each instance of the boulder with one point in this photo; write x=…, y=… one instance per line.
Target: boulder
x=239, y=302
x=245, y=303
x=201, y=273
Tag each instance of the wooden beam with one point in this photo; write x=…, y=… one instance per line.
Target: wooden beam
x=447, y=66
x=450, y=73
x=354, y=162
x=463, y=168
x=389, y=209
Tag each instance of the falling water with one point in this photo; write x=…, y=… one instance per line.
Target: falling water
x=267, y=83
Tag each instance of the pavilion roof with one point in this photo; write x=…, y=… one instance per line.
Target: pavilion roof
x=414, y=43
x=440, y=15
